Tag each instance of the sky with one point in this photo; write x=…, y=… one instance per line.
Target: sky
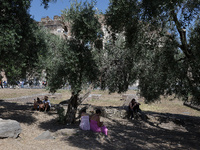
x=37, y=11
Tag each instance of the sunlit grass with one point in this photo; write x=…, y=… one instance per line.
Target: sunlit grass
x=12, y=93
x=165, y=105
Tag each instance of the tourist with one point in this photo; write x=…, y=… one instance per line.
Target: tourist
x=46, y=105
x=22, y=84
x=37, y=103
x=85, y=120
x=96, y=125
x=1, y=84
x=134, y=108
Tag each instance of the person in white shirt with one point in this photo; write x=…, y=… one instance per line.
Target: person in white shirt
x=46, y=105
x=85, y=122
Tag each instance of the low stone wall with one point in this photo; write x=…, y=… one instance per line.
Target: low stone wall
x=30, y=98
x=94, y=97
x=127, y=98
x=194, y=106
x=108, y=112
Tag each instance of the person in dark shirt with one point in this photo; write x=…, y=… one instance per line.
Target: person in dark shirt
x=37, y=103
x=134, y=108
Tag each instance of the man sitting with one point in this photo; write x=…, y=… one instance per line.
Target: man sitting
x=46, y=105
x=134, y=108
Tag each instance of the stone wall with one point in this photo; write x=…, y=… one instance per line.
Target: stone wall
x=55, y=26
x=31, y=98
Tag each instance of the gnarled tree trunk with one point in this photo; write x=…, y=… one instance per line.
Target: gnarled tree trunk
x=73, y=104
x=72, y=108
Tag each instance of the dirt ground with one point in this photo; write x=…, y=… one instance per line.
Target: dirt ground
x=160, y=131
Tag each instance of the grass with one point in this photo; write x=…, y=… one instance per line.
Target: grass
x=12, y=93
x=168, y=105
x=165, y=105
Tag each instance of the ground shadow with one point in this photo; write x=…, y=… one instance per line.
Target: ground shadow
x=53, y=125
x=138, y=134
x=16, y=111
x=160, y=131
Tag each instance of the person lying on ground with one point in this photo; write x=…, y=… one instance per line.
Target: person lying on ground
x=37, y=103
x=96, y=125
x=46, y=105
x=85, y=120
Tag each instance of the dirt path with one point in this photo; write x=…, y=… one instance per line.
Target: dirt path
x=161, y=131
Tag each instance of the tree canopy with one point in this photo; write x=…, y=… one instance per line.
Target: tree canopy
x=165, y=62
x=71, y=61
x=74, y=63
x=153, y=42
x=20, y=39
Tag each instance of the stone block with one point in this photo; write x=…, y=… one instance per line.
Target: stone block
x=9, y=128
x=45, y=136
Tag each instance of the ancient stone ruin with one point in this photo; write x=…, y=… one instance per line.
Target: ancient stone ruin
x=9, y=128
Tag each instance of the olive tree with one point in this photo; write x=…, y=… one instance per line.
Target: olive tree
x=21, y=40
x=163, y=56
x=73, y=62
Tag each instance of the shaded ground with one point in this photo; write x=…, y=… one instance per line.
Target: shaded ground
x=161, y=131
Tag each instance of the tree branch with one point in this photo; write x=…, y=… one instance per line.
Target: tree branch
x=182, y=32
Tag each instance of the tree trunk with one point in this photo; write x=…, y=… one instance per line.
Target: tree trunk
x=73, y=104
x=72, y=108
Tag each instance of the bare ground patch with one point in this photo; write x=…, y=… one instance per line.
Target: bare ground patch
x=163, y=130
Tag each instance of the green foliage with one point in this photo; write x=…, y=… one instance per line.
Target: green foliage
x=71, y=61
x=164, y=61
x=85, y=25
x=20, y=39
x=116, y=65
x=46, y=3
x=61, y=115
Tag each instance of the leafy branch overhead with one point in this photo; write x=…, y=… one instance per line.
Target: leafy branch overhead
x=75, y=64
x=166, y=63
x=150, y=42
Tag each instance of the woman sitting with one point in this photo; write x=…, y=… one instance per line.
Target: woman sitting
x=85, y=123
x=37, y=103
x=96, y=125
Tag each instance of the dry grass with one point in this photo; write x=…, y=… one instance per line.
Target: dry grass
x=108, y=99
x=170, y=106
x=12, y=93
x=165, y=105
x=123, y=133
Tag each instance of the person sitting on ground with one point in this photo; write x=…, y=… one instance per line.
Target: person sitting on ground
x=85, y=123
x=134, y=108
x=1, y=84
x=37, y=103
x=46, y=105
x=96, y=125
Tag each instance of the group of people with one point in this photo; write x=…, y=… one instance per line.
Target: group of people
x=3, y=84
x=40, y=105
x=88, y=122
x=93, y=122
